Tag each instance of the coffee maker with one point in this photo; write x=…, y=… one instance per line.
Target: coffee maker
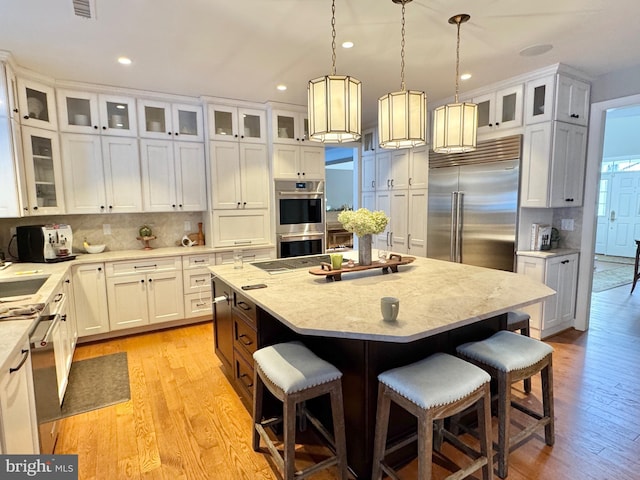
x=45, y=243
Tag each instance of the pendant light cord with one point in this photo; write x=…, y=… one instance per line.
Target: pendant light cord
x=333, y=37
x=402, y=53
x=457, y=61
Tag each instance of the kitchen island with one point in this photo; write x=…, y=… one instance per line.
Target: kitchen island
x=442, y=304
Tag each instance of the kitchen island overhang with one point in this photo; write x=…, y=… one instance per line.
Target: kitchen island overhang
x=442, y=305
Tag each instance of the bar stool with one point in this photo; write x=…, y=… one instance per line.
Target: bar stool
x=509, y=358
x=432, y=389
x=519, y=320
x=294, y=374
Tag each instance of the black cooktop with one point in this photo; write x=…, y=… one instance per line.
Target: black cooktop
x=293, y=263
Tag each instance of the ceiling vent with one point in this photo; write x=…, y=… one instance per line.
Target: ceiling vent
x=84, y=8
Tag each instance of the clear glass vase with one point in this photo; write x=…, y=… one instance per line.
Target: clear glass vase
x=364, y=250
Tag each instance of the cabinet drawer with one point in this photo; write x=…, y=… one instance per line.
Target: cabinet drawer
x=197, y=305
x=147, y=265
x=244, y=336
x=248, y=256
x=198, y=261
x=197, y=281
x=245, y=306
x=243, y=375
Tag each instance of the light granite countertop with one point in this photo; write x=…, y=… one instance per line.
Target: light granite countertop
x=435, y=296
x=557, y=252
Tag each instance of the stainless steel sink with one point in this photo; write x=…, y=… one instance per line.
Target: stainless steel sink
x=13, y=288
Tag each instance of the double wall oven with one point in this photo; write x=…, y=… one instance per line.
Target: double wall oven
x=300, y=222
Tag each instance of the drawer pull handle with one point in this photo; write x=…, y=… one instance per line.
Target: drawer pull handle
x=58, y=297
x=244, y=305
x=146, y=266
x=199, y=261
x=242, y=377
x=564, y=262
x=203, y=304
x=25, y=355
x=200, y=281
x=245, y=343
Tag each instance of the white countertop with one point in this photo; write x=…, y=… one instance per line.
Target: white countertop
x=557, y=252
x=435, y=296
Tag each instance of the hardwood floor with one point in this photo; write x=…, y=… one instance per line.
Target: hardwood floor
x=184, y=421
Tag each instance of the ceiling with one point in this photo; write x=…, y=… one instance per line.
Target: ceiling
x=242, y=49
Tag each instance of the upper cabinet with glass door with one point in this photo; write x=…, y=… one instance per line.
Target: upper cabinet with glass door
x=500, y=110
x=230, y=123
x=85, y=112
x=290, y=127
x=37, y=104
x=557, y=97
x=164, y=120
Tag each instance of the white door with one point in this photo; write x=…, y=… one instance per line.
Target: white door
x=398, y=231
x=83, y=173
x=158, y=176
x=90, y=299
x=164, y=293
x=312, y=163
x=603, y=209
x=191, y=182
x=417, y=222
x=225, y=172
x=254, y=175
x=123, y=185
x=286, y=161
x=624, y=214
x=127, y=299
x=383, y=202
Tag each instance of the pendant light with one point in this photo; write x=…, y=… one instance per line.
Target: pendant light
x=334, y=104
x=402, y=116
x=455, y=125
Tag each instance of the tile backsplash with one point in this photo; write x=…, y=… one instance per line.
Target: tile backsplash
x=169, y=228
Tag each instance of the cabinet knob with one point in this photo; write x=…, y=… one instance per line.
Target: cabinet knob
x=373, y=184
x=35, y=208
x=142, y=281
x=168, y=133
x=497, y=123
x=15, y=110
x=491, y=124
x=26, y=117
x=180, y=205
x=298, y=173
x=99, y=269
x=101, y=207
x=173, y=205
x=244, y=203
x=238, y=204
x=26, y=209
x=96, y=127
x=104, y=128
x=176, y=133
x=150, y=280
x=67, y=281
x=241, y=136
x=110, y=207
x=236, y=135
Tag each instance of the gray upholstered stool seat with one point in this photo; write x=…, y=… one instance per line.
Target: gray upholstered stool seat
x=432, y=389
x=294, y=374
x=509, y=358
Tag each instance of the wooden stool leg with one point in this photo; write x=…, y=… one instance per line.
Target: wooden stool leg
x=340, y=440
x=380, y=439
x=258, y=392
x=425, y=445
x=504, y=422
x=527, y=381
x=437, y=434
x=547, y=403
x=289, y=414
x=635, y=266
x=484, y=430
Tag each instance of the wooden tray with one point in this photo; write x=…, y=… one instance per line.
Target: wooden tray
x=390, y=265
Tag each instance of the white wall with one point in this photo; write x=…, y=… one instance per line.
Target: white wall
x=616, y=84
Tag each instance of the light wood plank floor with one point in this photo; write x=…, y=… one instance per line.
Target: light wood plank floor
x=184, y=421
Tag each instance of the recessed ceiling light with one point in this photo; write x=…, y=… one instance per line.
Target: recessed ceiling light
x=535, y=50
x=347, y=44
x=124, y=60
x=282, y=88
x=465, y=76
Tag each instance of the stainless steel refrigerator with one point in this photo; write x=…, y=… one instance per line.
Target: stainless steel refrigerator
x=472, y=214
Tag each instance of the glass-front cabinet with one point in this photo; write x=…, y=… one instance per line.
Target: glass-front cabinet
x=163, y=120
x=36, y=104
x=227, y=122
x=43, y=171
x=86, y=112
x=499, y=110
x=539, y=100
x=290, y=127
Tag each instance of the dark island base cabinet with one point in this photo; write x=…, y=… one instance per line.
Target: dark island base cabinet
x=361, y=361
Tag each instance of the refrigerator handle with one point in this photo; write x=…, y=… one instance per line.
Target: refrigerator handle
x=459, y=220
x=453, y=236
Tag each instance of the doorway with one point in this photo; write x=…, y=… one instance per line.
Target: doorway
x=596, y=154
x=341, y=193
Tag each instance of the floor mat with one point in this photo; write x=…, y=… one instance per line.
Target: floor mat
x=96, y=383
x=612, y=277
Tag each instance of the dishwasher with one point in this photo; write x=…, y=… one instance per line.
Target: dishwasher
x=45, y=382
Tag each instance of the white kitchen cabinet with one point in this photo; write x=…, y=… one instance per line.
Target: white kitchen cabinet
x=561, y=274
x=18, y=423
x=71, y=320
x=90, y=299
x=234, y=123
x=173, y=176
x=383, y=203
x=196, y=279
x=43, y=171
x=162, y=120
x=368, y=173
x=12, y=91
x=64, y=333
x=289, y=127
x=572, y=100
x=553, y=165
x=96, y=113
x=392, y=169
x=10, y=160
x=37, y=104
x=419, y=168
x=231, y=228
x=101, y=174
x=557, y=97
x=248, y=255
x=417, y=222
x=383, y=170
x=144, y=292
x=398, y=221
x=500, y=110
x=369, y=143
x=296, y=162
x=240, y=175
